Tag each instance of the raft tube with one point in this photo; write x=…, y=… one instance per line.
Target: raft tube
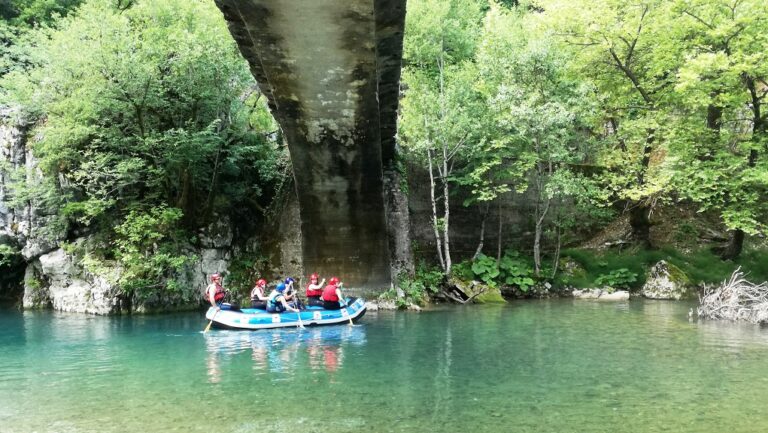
x=250, y=318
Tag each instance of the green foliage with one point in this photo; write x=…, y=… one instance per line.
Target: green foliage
x=36, y=12
x=617, y=278
x=486, y=269
x=516, y=270
x=152, y=104
x=148, y=248
x=152, y=125
x=243, y=272
x=426, y=282
x=701, y=266
x=511, y=270
x=9, y=255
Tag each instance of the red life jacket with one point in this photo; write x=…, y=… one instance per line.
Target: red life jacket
x=256, y=293
x=218, y=294
x=313, y=293
x=329, y=293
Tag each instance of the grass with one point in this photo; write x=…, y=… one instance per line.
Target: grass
x=701, y=266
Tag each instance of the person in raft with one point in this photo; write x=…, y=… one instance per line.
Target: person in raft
x=258, y=297
x=314, y=291
x=291, y=295
x=276, y=301
x=332, y=297
x=215, y=291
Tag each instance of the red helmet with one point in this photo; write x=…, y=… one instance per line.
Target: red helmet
x=215, y=277
x=333, y=281
x=314, y=276
x=261, y=282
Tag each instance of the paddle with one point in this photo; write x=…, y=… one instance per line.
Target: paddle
x=211, y=322
x=296, y=303
x=298, y=315
x=346, y=305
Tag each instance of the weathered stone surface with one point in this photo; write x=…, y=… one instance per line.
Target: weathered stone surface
x=218, y=234
x=330, y=70
x=667, y=281
x=34, y=229
x=476, y=291
x=68, y=287
x=601, y=294
x=36, y=294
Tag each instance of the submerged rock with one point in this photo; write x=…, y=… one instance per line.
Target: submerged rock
x=667, y=281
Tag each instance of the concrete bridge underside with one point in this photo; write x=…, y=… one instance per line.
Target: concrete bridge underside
x=330, y=70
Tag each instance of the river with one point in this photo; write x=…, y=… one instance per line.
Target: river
x=533, y=366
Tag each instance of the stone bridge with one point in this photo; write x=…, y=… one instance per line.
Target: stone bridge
x=331, y=70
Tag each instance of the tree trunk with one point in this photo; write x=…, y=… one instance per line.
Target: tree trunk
x=640, y=224
x=498, y=245
x=556, y=260
x=434, y=212
x=479, y=249
x=540, y=214
x=639, y=213
x=735, y=245
x=736, y=241
x=446, y=203
x=537, y=239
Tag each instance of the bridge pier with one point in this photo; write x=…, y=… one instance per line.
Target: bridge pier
x=331, y=70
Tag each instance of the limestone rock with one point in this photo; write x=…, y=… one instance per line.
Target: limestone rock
x=33, y=228
x=476, y=291
x=218, y=234
x=56, y=279
x=601, y=294
x=36, y=294
x=381, y=304
x=667, y=281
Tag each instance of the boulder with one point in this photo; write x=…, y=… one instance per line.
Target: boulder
x=667, y=281
x=475, y=291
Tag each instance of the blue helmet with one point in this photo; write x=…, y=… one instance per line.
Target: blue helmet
x=289, y=280
x=280, y=287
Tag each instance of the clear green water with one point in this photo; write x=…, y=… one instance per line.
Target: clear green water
x=544, y=366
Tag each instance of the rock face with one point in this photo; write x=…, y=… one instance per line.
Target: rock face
x=667, y=281
x=28, y=226
x=55, y=280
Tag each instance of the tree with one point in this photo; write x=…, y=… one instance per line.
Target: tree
x=723, y=80
x=614, y=46
x=436, y=116
x=539, y=115
x=147, y=105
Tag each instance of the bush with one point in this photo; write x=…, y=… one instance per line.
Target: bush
x=702, y=266
x=426, y=282
x=148, y=249
x=511, y=270
x=618, y=278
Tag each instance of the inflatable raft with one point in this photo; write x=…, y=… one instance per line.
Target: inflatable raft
x=249, y=318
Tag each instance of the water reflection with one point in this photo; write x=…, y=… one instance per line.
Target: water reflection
x=280, y=353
